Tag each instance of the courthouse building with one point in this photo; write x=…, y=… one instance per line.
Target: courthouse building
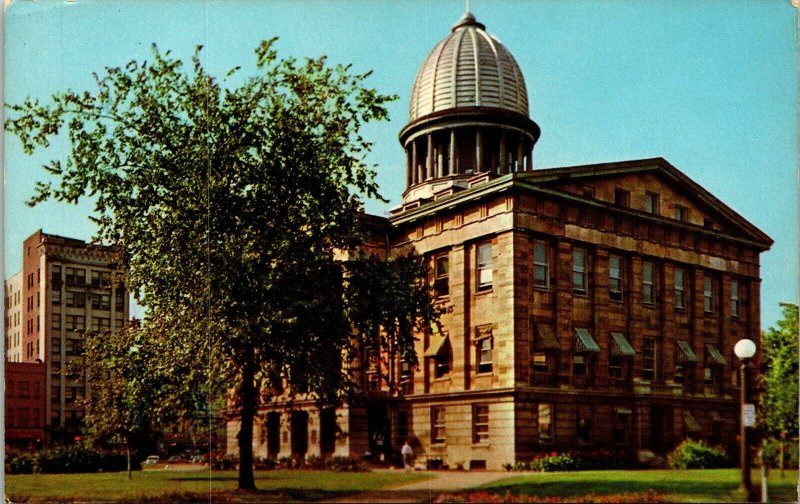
x=67, y=289
x=592, y=306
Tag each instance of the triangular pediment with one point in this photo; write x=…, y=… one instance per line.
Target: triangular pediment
x=648, y=186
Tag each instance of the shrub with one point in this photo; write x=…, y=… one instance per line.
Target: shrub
x=692, y=454
x=69, y=459
x=224, y=463
x=555, y=462
x=20, y=464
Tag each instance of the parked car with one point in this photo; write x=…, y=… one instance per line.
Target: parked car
x=150, y=460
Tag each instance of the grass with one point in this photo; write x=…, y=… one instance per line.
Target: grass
x=709, y=485
x=192, y=486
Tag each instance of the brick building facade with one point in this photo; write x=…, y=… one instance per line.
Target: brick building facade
x=586, y=307
x=68, y=289
x=24, y=394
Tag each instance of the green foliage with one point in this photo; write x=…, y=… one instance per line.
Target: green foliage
x=772, y=448
x=228, y=206
x=692, y=454
x=555, y=462
x=68, y=459
x=780, y=379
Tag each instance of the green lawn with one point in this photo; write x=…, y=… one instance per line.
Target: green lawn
x=710, y=485
x=191, y=486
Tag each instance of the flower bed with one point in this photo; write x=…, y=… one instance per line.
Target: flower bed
x=487, y=497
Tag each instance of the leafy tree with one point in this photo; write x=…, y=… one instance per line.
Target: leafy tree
x=780, y=378
x=230, y=203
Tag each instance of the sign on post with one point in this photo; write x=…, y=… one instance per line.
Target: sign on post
x=749, y=415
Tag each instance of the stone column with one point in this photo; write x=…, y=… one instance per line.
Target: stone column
x=429, y=159
x=518, y=166
x=409, y=169
x=478, y=151
x=440, y=171
x=452, y=153
x=414, y=162
x=529, y=159
x=502, y=158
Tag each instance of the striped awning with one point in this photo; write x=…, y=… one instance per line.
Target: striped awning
x=685, y=353
x=584, y=341
x=437, y=343
x=714, y=356
x=545, y=339
x=620, y=346
x=691, y=423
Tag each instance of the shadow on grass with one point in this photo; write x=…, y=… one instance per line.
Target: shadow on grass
x=240, y=497
x=706, y=490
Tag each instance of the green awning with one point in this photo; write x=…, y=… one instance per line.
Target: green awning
x=691, y=423
x=585, y=342
x=620, y=346
x=437, y=343
x=714, y=356
x=685, y=353
x=545, y=339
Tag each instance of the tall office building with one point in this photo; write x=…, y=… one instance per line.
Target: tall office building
x=68, y=289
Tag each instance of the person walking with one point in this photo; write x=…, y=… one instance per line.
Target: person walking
x=408, y=455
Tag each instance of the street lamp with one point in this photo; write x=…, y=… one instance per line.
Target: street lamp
x=745, y=349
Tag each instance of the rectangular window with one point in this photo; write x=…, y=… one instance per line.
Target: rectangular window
x=120, y=298
x=55, y=322
x=95, y=278
x=651, y=203
x=484, y=355
x=545, y=423
x=681, y=213
x=541, y=265
x=55, y=274
x=579, y=365
x=579, y=271
x=648, y=283
x=648, y=359
x=101, y=301
x=734, y=298
x=441, y=283
x=480, y=423
x=615, y=278
x=540, y=362
x=24, y=390
x=56, y=297
x=708, y=294
x=402, y=425
x=615, y=367
x=80, y=276
x=620, y=428
x=119, y=323
x=680, y=291
x=441, y=365
x=484, y=266
x=10, y=389
x=584, y=428
x=438, y=432
x=70, y=275
x=622, y=197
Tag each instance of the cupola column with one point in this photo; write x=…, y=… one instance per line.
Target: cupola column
x=414, y=162
x=429, y=158
x=478, y=151
x=451, y=161
x=520, y=155
x=529, y=158
x=502, y=159
x=409, y=168
x=440, y=172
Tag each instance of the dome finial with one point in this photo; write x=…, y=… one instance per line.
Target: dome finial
x=467, y=11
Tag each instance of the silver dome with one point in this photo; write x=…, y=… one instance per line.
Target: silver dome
x=469, y=68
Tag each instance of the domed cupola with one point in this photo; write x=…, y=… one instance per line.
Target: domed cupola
x=468, y=113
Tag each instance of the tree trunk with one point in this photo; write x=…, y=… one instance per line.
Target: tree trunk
x=780, y=456
x=128, y=451
x=248, y=399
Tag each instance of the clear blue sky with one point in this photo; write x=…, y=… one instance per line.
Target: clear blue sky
x=709, y=85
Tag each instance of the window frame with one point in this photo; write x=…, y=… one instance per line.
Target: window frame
x=539, y=266
x=484, y=366
x=708, y=293
x=648, y=287
x=649, y=356
x=580, y=271
x=622, y=197
x=584, y=362
x=546, y=430
x=615, y=293
x=681, y=213
x=438, y=425
x=484, y=265
x=735, y=298
x=480, y=423
x=680, y=290
x=651, y=203
x=441, y=281
x=543, y=366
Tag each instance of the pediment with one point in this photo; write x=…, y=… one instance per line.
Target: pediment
x=676, y=196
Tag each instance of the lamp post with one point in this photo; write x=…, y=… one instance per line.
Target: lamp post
x=745, y=349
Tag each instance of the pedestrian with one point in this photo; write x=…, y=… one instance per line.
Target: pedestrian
x=408, y=455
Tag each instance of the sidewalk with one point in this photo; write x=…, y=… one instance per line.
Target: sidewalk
x=427, y=490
